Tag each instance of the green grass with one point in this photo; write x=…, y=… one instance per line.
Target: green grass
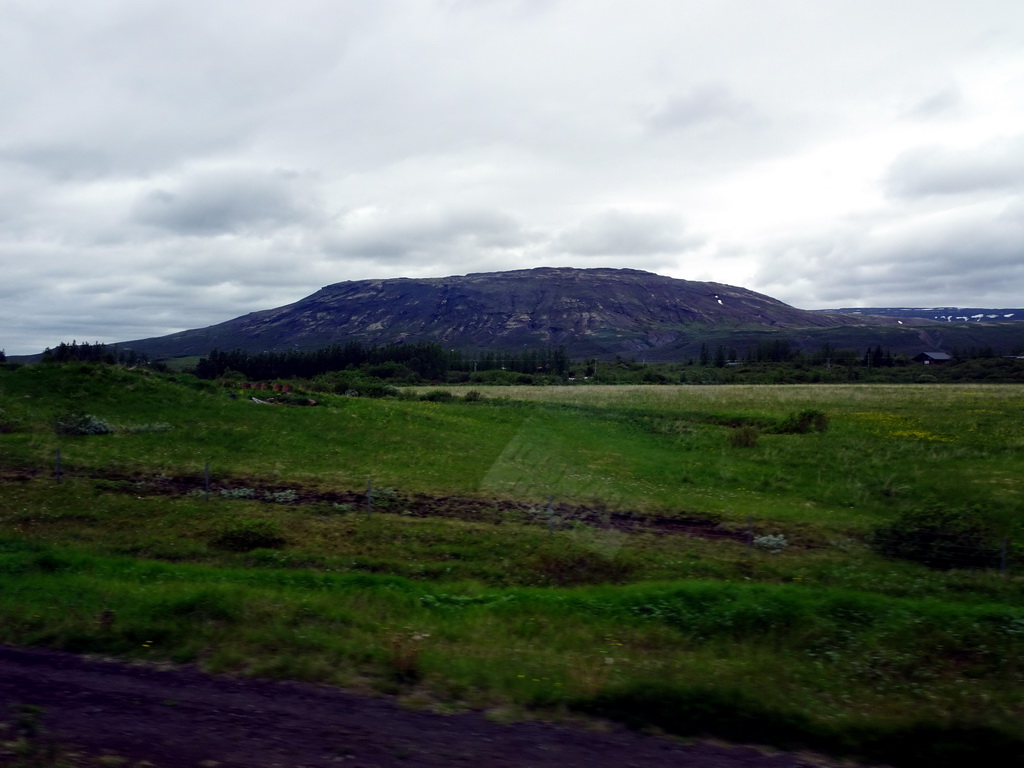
x=825, y=644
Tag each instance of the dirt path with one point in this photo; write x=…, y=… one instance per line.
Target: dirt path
x=490, y=510
x=179, y=717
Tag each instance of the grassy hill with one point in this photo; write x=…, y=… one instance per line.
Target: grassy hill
x=752, y=563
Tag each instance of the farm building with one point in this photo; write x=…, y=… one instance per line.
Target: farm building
x=932, y=358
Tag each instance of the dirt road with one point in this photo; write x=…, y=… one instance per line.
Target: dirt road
x=178, y=717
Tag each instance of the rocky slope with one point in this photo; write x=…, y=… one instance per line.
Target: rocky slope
x=591, y=311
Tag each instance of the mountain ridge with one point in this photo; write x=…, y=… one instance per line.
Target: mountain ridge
x=600, y=311
x=941, y=314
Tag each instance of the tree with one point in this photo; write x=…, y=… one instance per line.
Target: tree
x=705, y=355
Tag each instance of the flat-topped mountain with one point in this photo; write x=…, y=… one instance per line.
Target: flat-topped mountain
x=590, y=311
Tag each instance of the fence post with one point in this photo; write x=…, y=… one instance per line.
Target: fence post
x=1003, y=556
x=551, y=517
x=369, y=496
x=750, y=533
x=206, y=482
x=56, y=467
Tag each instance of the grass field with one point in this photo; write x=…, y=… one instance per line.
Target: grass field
x=461, y=589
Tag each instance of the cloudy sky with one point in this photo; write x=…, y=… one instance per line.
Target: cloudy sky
x=169, y=164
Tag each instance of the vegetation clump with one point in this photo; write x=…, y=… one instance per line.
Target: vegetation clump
x=570, y=566
x=287, y=496
x=745, y=436
x=437, y=396
x=808, y=420
x=773, y=543
x=249, y=534
x=237, y=493
x=73, y=423
x=939, y=537
x=8, y=424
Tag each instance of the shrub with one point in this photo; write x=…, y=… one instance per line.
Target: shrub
x=805, y=421
x=247, y=535
x=473, y=396
x=437, y=396
x=363, y=387
x=81, y=424
x=385, y=498
x=744, y=437
x=939, y=538
x=369, y=388
x=402, y=651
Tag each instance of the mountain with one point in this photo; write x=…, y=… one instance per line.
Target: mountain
x=591, y=311
x=943, y=314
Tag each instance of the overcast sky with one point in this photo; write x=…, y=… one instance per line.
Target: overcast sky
x=172, y=164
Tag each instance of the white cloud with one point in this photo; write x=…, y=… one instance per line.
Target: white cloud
x=226, y=201
x=425, y=233
x=935, y=170
x=626, y=234
x=166, y=165
x=931, y=259
x=709, y=106
x=942, y=103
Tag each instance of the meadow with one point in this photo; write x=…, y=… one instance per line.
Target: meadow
x=518, y=549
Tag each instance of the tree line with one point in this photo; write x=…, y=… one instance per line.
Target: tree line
x=423, y=360
x=93, y=353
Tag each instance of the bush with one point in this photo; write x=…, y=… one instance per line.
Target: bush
x=744, y=437
x=801, y=423
x=343, y=383
x=368, y=388
x=939, y=538
x=81, y=424
x=385, y=498
x=247, y=535
x=437, y=396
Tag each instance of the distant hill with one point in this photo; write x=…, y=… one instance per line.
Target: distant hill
x=592, y=312
x=942, y=314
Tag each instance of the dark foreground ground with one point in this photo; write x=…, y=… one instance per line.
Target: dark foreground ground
x=102, y=712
